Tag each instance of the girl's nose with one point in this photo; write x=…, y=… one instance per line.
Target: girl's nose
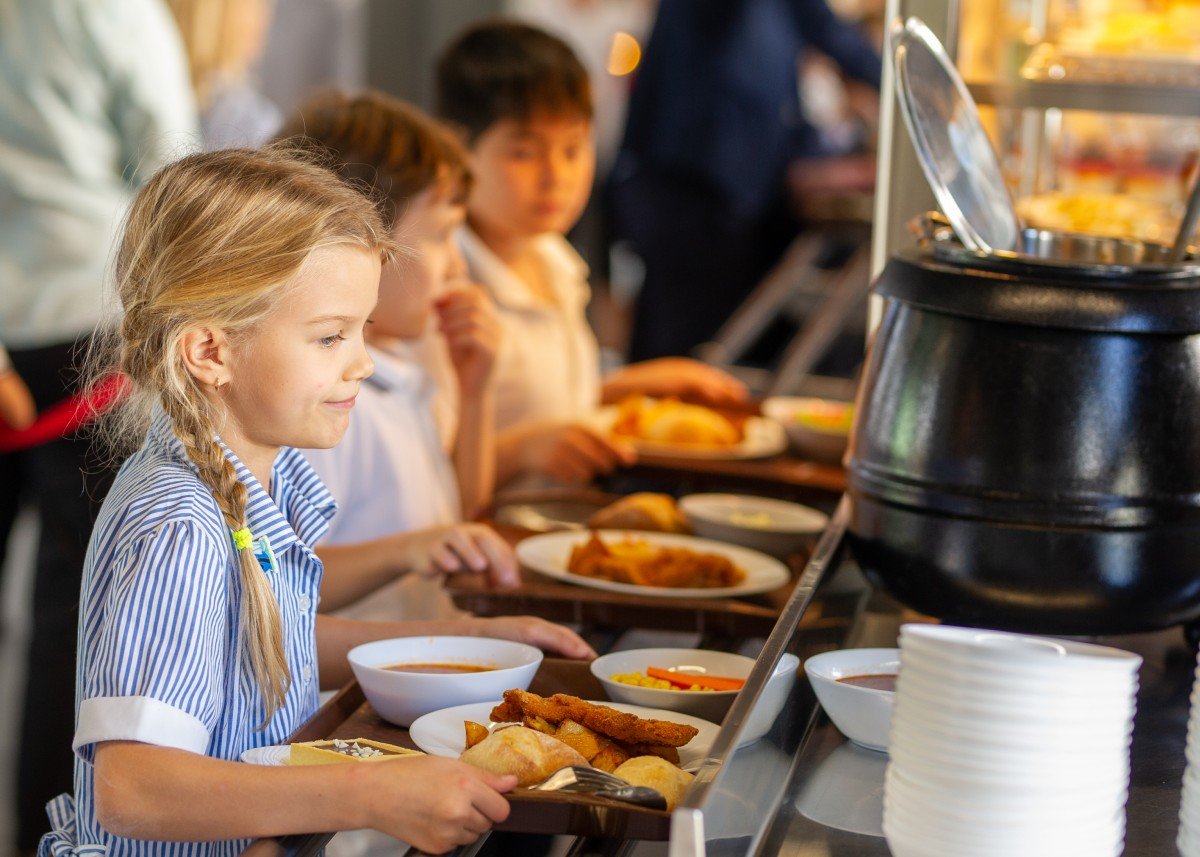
x=362, y=366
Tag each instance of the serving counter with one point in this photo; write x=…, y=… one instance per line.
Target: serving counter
x=806, y=790
x=803, y=789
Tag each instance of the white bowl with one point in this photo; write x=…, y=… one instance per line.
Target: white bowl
x=401, y=697
x=775, y=527
x=817, y=429
x=772, y=698
x=708, y=704
x=862, y=714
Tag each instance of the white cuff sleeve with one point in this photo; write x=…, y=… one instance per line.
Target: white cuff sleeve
x=137, y=718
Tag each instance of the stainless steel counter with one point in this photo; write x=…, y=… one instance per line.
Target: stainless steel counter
x=805, y=790
x=834, y=804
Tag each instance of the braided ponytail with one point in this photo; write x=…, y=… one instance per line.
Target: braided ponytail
x=262, y=630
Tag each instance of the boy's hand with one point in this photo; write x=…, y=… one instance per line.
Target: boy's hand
x=679, y=377
x=535, y=631
x=467, y=319
x=461, y=547
x=572, y=453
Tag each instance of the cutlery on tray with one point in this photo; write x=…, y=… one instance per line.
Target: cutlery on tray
x=577, y=778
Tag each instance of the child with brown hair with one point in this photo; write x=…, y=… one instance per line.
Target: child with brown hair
x=405, y=493
x=246, y=279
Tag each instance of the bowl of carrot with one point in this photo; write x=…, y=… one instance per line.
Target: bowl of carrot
x=699, y=682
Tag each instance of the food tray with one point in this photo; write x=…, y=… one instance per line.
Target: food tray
x=349, y=715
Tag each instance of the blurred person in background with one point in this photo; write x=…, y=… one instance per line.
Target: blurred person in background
x=314, y=45
x=225, y=40
x=705, y=183
x=94, y=96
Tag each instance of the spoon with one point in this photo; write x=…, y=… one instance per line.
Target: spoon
x=1188, y=227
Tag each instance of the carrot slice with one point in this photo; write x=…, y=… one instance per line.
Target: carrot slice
x=715, y=682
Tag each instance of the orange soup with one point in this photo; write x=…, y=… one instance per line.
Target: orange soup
x=439, y=668
x=885, y=681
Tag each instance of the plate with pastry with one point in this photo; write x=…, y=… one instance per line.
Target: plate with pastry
x=642, y=510
x=569, y=731
x=666, y=565
x=675, y=429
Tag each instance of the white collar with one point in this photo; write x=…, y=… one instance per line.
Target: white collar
x=567, y=270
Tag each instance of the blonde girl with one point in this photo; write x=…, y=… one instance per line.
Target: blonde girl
x=246, y=280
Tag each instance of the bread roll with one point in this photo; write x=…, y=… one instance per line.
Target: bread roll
x=641, y=511
x=529, y=754
x=659, y=774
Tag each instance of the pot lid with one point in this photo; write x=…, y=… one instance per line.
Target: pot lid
x=954, y=150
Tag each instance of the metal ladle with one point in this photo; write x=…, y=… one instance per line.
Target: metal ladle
x=1188, y=227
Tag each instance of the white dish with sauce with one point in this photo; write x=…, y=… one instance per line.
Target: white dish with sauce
x=406, y=677
x=862, y=713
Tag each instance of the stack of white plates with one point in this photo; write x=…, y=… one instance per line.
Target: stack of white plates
x=1188, y=839
x=1006, y=744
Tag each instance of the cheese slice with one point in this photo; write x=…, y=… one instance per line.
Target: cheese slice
x=333, y=751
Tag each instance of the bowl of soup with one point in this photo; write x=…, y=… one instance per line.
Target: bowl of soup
x=857, y=689
x=817, y=429
x=406, y=677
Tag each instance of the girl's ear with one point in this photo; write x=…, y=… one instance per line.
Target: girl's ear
x=205, y=353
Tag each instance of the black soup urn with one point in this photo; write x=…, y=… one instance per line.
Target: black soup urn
x=1026, y=451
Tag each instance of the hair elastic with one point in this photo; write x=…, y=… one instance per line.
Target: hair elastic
x=242, y=538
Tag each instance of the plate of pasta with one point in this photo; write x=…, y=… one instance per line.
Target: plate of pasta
x=665, y=565
x=675, y=429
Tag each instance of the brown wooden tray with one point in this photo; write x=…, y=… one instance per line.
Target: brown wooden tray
x=731, y=618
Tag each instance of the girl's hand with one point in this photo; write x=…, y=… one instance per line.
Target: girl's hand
x=572, y=453
x=534, y=631
x=460, y=547
x=680, y=377
x=468, y=321
x=433, y=803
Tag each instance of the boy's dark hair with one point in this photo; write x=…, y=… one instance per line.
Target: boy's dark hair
x=503, y=69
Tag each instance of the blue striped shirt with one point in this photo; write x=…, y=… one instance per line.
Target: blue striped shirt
x=159, y=638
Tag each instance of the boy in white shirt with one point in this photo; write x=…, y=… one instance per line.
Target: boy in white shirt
x=522, y=99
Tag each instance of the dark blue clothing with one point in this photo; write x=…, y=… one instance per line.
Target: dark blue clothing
x=714, y=120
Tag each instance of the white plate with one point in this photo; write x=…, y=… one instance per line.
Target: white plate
x=761, y=437
x=441, y=733
x=548, y=554
x=276, y=754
